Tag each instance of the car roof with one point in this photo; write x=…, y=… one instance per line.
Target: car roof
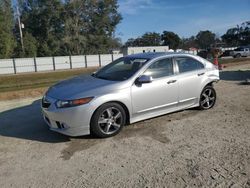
x=152, y=55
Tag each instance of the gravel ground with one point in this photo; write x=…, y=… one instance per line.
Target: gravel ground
x=190, y=148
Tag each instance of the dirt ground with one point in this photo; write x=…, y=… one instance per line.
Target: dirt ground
x=190, y=148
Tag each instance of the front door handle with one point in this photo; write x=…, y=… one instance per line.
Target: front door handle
x=201, y=74
x=171, y=81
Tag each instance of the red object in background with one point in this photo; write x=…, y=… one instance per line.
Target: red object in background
x=216, y=62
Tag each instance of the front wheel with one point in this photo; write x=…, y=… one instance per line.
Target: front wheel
x=207, y=98
x=108, y=120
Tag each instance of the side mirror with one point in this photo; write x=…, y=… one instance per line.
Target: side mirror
x=143, y=79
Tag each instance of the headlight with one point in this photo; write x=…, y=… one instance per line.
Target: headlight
x=71, y=103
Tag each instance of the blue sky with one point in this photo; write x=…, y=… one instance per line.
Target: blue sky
x=184, y=17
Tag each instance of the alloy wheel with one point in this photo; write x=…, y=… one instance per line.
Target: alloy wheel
x=110, y=120
x=207, y=98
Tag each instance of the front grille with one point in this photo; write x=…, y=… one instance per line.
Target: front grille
x=45, y=103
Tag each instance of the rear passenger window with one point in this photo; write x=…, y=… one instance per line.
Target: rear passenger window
x=161, y=68
x=187, y=64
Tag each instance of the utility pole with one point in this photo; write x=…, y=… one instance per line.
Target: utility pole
x=20, y=27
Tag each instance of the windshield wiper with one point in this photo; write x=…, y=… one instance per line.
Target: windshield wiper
x=101, y=77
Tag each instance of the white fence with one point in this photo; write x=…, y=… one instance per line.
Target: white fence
x=37, y=64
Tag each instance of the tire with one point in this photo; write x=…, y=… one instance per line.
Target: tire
x=207, y=98
x=108, y=120
x=238, y=55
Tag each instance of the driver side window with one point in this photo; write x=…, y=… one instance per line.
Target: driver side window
x=161, y=68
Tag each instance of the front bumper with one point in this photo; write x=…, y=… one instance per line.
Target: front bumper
x=73, y=121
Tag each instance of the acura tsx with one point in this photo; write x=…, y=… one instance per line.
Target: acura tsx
x=128, y=90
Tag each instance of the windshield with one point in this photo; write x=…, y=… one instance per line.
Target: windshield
x=121, y=69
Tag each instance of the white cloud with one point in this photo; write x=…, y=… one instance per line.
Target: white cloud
x=133, y=6
x=219, y=25
x=216, y=25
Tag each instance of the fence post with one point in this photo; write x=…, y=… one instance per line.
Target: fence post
x=112, y=56
x=100, y=63
x=86, y=63
x=35, y=65
x=70, y=62
x=14, y=65
x=54, y=65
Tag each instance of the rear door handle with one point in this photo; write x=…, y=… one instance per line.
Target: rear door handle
x=171, y=81
x=201, y=74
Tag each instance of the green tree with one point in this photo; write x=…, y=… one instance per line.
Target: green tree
x=187, y=43
x=90, y=26
x=237, y=36
x=245, y=33
x=171, y=39
x=232, y=37
x=7, y=42
x=139, y=42
x=30, y=47
x=147, y=39
x=104, y=18
x=70, y=26
x=151, y=39
x=205, y=39
x=43, y=21
x=130, y=42
x=74, y=36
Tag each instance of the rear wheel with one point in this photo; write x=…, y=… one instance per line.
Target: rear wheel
x=207, y=98
x=238, y=55
x=108, y=120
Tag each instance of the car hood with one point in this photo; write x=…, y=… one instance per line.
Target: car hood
x=81, y=86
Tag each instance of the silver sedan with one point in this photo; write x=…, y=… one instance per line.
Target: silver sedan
x=128, y=90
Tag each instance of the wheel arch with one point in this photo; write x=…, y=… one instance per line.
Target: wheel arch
x=122, y=105
x=209, y=83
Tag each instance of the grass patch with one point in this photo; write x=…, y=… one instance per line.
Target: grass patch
x=38, y=80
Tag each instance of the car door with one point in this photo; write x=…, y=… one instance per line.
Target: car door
x=191, y=73
x=247, y=52
x=244, y=52
x=161, y=93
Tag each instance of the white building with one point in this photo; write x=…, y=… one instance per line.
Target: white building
x=144, y=49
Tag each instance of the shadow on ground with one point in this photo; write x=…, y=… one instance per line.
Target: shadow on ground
x=240, y=75
x=27, y=123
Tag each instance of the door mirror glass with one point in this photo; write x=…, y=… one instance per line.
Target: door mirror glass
x=144, y=79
